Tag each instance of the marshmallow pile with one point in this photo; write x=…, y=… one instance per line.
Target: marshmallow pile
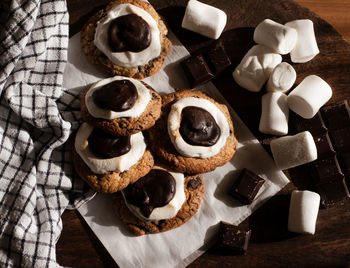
x=262, y=65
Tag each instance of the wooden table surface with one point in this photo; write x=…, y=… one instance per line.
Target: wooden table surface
x=272, y=244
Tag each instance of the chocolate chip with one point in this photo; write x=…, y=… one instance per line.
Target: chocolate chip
x=198, y=127
x=129, y=33
x=246, y=186
x=194, y=183
x=118, y=96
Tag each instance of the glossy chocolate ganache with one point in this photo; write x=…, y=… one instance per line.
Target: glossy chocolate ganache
x=129, y=33
x=156, y=189
x=118, y=96
x=198, y=127
x=105, y=145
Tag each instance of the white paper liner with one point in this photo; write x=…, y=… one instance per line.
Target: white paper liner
x=180, y=246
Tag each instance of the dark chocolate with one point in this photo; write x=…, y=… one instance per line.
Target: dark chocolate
x=197, y=70
x=333, y=191
x=129, y=33
x=336, y=116
x=341, y=140
x=198, y=127
x=232, y=239
x=156, y=189
x=324, y=146
x=194, y=183
x=246, y=186
x=118, y=96
x=315, y=125
x=105, y=145
x=217, y=59
x=344, y=161
x=326, y=169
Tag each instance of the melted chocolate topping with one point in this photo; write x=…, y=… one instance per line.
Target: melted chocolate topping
x=105, y=145
x=118, y=96
x=156, y=189
x=129, y=33
x=198, y=127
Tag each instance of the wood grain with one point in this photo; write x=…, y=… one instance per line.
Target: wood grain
x=271, y=243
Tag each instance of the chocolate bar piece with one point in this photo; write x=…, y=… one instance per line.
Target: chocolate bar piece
x=232, y=239
x=344, y=161
x=324, y=146
x=341, y=140
x=315, y=125
x=246, y=187
x=333, y=191
x=336, y=116
x=326, y=169
x=197, y=70
x=217, y=59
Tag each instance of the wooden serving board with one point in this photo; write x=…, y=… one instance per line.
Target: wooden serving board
x=271, y=244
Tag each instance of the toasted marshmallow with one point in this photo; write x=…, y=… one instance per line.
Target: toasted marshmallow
x=276, y=36
x=256, y=67
x=204, y=19
x=306, y=47
x=282, y=78
x=274, y=114
x=309, y=96
x=119, y=163
x=303, y=210
x=292, y=151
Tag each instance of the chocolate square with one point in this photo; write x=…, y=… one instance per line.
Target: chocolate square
x=232, y=239
x=315, y=124
x=333, y=191
x=324, y=146
x=344, y=161
x=341, y=140
x=326, y=169
x=247, y=186
x=217, y=59
x=336, y=116
x=197, y=70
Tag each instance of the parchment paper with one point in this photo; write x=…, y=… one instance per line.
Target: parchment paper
x=182, y=245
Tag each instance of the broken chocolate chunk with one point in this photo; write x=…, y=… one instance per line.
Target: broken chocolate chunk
x=326, y=169
x=324, y=146
x=315, y=125
x=197, y=70
x=232, y=239
x=341, y=139
x=246, y=187
x=217, y=59
x=333, y=191
x=336, y=116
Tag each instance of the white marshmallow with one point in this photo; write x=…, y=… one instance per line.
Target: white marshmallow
x=303, y=210
x=292, y=151
x=282, y=78
x=306, y=47
x=276, y=36
x=204, y=19
x=309, y=96
x=274, y=114
x=256, y=67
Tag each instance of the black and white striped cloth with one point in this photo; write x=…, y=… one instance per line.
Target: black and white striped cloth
x=37, y=116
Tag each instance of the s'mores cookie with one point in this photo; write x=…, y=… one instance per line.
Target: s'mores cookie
x=126, y=38
x=121, y=106
x=160, y=201
x=194, y=134
x=110, y=163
